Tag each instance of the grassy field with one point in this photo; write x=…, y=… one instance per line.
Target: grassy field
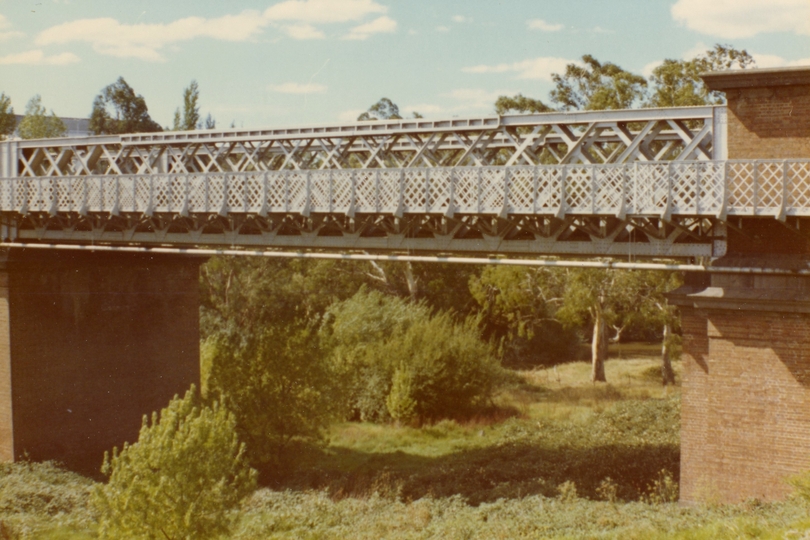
x=554, y=457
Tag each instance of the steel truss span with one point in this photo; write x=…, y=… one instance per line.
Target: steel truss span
x=674, y=209
x=594, y=137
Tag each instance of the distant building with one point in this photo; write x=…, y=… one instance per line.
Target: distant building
x=77, y=127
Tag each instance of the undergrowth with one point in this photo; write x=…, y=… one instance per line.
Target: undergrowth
x=553, y=457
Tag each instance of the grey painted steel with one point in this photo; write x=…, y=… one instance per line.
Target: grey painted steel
x=659, y=209
x=499, y=261
x=593, y=137
x=712, y=189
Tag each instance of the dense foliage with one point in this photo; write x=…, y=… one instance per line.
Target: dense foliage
x=37, y=124
x=118, y=109
x=180, y=480
x=8, y=122
x=397, y=360
x=280, y=387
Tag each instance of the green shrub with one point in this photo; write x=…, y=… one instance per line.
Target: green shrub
x=801, y=485
x=398, y=361
x=179, y=480
x=448, y=369
x=36, y=498
x=281, y=389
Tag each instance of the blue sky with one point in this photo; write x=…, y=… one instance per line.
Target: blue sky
x=263, y=63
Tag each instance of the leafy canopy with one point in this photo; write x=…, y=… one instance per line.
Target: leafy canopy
x=7, y=119
x=180, y=480
x=385, y=109
x=596, y=86
x=117, y=109
x=189, y=119
x=37, y=124
x=677, y=83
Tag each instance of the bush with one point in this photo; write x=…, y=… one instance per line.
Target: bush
x=357, y=330
x=398, y=361
x=801, y=485
x=280, y=387
x=180, y=480
x=449, y=370
x=36, y=498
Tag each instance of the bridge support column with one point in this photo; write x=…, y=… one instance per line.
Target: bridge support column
x=745, y=406
x=89, y=343
x=745, y=409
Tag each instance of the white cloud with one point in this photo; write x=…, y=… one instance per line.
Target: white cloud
x=475, y=98
x=422, y=108
x=540, y=24
x=6, y=33
x=303, y=31
x=442, y=28
x=297, y=88
x=772, y=60
x=535, y=68
x=733, y=19
x=350, y=115
x=647, y=70
x=379, y=25
x=461, y=19
x=323, y=11
x=37, y=57
x=144, y=41
x=6, y=36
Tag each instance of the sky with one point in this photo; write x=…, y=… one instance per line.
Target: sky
x=276, y=63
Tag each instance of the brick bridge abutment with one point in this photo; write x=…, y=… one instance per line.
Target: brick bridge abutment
x=89, y=343
x=745, y=413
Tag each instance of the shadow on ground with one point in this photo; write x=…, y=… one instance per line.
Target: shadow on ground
x=485, y=474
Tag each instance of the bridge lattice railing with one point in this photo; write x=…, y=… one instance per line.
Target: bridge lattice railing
x=706, y=188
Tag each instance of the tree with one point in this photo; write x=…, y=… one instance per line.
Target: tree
x=8, y=122
x=649, y=307
x=189, y=119
x=180, y=480
x=36, y=124
x=261, y=355
x=677, y=83
x=385, y=109
x=517, y=308
x=279, y=386
x=596, y=86
x=596, y=297
x=117, y=109
x=520, y=104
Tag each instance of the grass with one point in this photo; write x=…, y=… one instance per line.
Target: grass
x=554, y=457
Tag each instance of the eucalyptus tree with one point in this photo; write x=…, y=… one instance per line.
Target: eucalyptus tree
x=677, y=83
x=38, y=124
x=597, y=86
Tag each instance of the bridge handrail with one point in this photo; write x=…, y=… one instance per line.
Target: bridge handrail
x=776, y=188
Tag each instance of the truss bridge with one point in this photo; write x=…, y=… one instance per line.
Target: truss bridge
x=636, y=183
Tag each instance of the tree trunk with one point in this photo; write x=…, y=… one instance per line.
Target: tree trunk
x=412, y=281
x=667, y=374
x=599, y=347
